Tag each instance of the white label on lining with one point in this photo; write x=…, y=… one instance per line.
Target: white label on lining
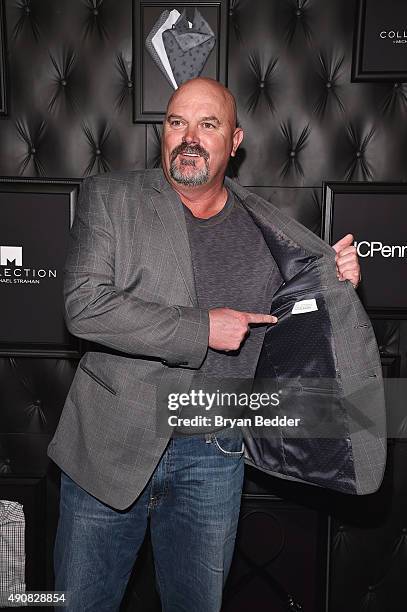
x=304, y=306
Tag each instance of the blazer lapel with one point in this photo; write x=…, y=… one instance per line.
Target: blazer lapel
x=170, y=211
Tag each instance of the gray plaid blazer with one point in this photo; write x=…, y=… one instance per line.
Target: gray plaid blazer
x=129, y=287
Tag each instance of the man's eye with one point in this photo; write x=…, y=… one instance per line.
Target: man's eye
x=175, y=122
x=208, y=125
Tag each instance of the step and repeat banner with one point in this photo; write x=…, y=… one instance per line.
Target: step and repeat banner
x=35, y=219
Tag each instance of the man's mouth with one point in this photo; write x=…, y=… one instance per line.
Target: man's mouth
x=185, y=168
x=190, y=154
x=189, y=151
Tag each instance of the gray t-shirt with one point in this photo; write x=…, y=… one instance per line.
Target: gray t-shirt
x=232, y=268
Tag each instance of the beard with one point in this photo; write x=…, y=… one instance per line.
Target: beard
x=180, y=172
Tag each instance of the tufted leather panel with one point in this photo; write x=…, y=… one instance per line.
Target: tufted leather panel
x=379, y=533
x=304, y=120
x=289, y=67
x=71, y=88
x=70, y=115
x=32, y=393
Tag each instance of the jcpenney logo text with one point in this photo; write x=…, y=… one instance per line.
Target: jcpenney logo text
x=371, y=249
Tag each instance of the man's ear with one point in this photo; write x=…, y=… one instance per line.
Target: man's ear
x=237, y=139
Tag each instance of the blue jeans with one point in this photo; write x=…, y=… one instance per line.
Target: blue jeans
x=193, y=502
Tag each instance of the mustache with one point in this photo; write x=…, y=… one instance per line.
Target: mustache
x=191, y=149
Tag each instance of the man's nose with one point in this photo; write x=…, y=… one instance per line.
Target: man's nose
x=191, y=136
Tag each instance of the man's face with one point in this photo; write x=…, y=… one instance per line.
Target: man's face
x=199, y=135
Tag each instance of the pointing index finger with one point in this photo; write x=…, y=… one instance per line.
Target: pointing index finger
x=263, y=319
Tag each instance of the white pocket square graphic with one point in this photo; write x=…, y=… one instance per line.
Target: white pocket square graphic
x=178, y=47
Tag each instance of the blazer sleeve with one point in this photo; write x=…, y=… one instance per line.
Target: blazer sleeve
x=98, y=311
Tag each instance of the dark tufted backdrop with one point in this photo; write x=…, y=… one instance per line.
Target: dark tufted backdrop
x=71, y=85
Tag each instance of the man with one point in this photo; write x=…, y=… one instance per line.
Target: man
x=172, y=278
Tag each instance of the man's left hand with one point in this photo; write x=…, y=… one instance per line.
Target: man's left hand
x=347, y=262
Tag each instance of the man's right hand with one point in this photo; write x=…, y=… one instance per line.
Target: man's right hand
x=228, y=328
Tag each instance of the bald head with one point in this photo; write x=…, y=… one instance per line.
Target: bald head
x=205, y=85
x=199, y=135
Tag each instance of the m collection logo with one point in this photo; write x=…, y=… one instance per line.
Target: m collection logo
x=13, y=272
x=11, y=253
x=377, y=248
x=397, y=36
